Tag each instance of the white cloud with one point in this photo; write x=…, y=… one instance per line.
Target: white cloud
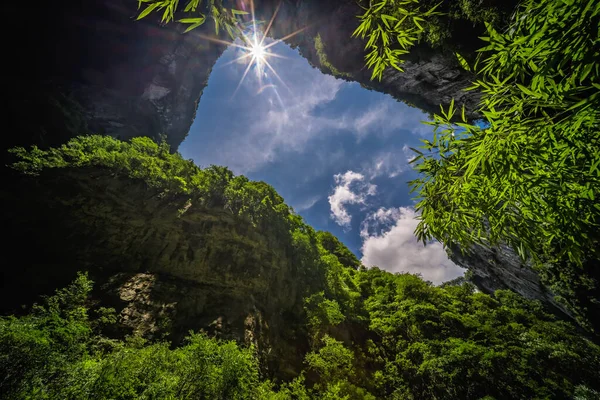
x=307, y=203
x=371, y=119
x=384, y=118
x=390, y=244
x=351, y=188
x=387, y=163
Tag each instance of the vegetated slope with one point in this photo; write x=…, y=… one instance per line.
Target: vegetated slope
x=173, y=247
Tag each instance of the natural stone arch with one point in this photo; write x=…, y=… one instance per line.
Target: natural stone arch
x=136, y=78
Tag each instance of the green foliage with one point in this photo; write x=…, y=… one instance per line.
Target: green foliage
x=202, y=368
x=36, y=347
x=141, y=158
x=332, y=245
x=195, y=13
x=392, y=28
x=166, y=172
x=453, y=343
x=530, y=176
x=332, y=362
x=443, y=29
x=376, y=335
x=324, y=61
x=54, y=353
x=372, y=334
x=322, y=313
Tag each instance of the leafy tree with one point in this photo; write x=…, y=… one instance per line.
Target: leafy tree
x=335, y=247
x=381, y=335
x=322, y=313
x=529, y=176
x=454, y=343
x=55, y=353
x=332, y=362
x=36, y=347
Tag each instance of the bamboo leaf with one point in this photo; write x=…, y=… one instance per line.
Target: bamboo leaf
x=463, y=62
x=147, y=10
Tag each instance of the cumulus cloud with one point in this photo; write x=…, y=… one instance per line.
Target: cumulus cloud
x=351, y=188
x=390, y=244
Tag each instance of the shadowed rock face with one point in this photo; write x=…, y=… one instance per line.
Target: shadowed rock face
x=430, y=77
x=167, y=266
x=129, y=78
x=501, y=268
x=137, y=78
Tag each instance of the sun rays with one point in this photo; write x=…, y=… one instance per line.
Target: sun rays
x=258, y=52
x=255, y=51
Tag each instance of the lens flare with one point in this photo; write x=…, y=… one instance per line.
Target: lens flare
x=255, y=51
x=259, y=53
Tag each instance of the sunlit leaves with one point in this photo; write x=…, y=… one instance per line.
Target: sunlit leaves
x=194, y=22
x=392, y=28
x=453, y=343
x=148, y=10
x=195, y=14
x=529, y=176
x=463, y=62
x=166, y=173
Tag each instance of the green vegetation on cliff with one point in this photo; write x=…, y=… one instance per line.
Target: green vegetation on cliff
x=370, y=334
x=530, y=176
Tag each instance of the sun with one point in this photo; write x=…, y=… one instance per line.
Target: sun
x=254, y=51
x=258, y=52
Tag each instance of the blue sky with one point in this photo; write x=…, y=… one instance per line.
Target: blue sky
x=336, y=152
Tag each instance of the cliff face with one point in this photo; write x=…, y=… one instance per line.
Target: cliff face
x=165, y=265
x=431, y=76
x=501, y=268
x=128, y=78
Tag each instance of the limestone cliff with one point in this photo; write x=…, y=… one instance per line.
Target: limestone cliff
x=128, y=78
x=501, y=267
x=167, y=266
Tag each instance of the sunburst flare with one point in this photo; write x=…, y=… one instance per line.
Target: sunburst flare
x=255, y=52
